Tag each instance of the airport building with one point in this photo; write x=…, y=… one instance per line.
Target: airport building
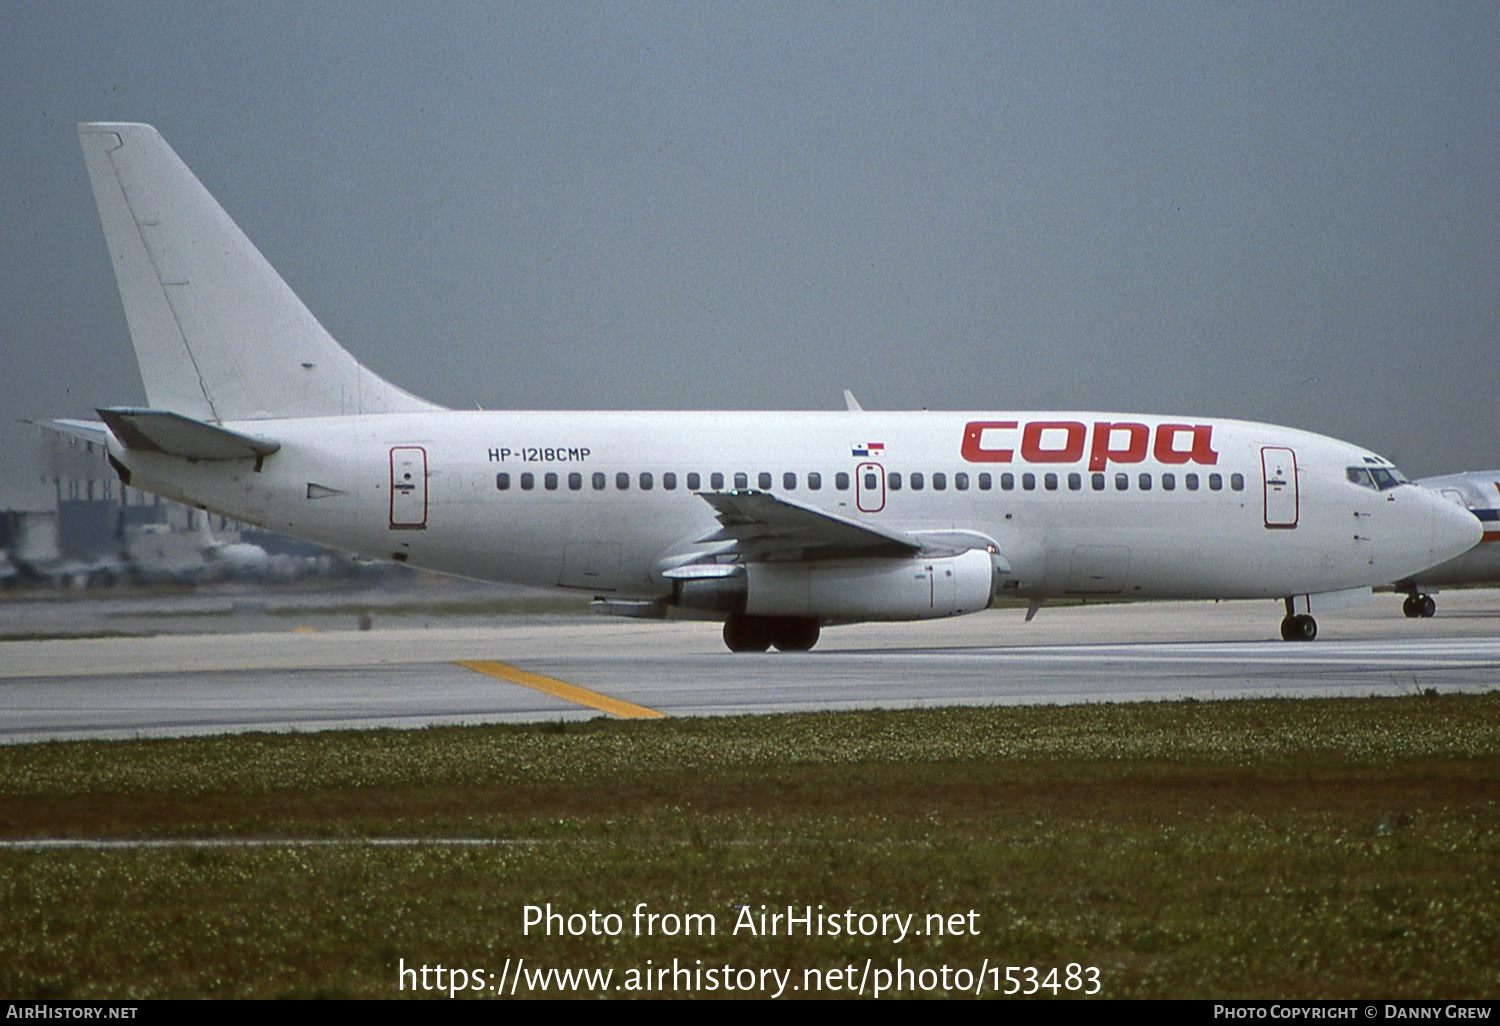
x=100, y=532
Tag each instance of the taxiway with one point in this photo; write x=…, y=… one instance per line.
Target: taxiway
x=523, y=669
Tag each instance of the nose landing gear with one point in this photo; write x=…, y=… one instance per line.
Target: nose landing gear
x=1298, y=625
x=1419, y=605
x=1299, y=628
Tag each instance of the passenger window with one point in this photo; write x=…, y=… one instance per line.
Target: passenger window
x=528, y=482
x=1215, y=483
x=550, y=482
x=1050, y=482
x=1075, y=482
x=893, y=481
x=742, y=480
x=841, y=481
x=1145, y=482
x=1007, y=482
x=917, y=481
x=1191, y=480
x=789, y=481
x=575, y=481
x=598, y=482
x=871, y=481
x=1168, y=482
x=764, y=480
x=984, y=482
x=646, y=481
x=694, y=482
x=814, y=481
x=669, y=481
x=1028, y=482
x=716, y=481
x=1237, y=482
x=502, y=482
x=939, y=482
x=961, y=482
x=1097, y=482
x=622, y=481
x=1122, y=482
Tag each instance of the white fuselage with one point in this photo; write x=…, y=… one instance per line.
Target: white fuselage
x=1077, y=503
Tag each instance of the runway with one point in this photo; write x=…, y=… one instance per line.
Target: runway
x=569, y=668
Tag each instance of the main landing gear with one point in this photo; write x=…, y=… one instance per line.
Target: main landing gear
x=1418, y=604
x=758, y=633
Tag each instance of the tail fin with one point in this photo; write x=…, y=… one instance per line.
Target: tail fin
x=218, y=335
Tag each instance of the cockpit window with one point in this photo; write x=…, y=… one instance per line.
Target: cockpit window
x=1378, y=479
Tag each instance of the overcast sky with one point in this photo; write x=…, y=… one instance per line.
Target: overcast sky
x=1281, y=212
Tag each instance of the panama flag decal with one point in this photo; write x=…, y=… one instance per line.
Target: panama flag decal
x=869, y=449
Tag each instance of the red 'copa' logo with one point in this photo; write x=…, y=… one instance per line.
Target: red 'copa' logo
x=1064, y=441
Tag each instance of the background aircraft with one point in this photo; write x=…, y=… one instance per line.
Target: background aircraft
x=1479, y=492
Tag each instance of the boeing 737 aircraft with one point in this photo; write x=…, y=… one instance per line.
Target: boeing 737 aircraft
x=778, y=524
x=1479, y=493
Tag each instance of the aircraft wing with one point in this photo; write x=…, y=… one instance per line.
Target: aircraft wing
x=763, y=526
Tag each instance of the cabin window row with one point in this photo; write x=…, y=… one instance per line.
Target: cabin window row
x=646, y=481
x=915, y=481
x=1052, y=482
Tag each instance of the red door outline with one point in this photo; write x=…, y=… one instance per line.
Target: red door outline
x=408, y=488
x=869, y=499
x=1282, y=506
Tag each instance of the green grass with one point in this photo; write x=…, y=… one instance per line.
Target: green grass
x=1328, y=849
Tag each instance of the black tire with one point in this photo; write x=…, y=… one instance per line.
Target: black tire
x=794, y=634
x=1426, y=606
x=1412, y=607
x=1299, y=628
x=747, y=633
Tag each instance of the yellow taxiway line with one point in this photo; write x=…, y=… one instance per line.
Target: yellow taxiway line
x=563, y=690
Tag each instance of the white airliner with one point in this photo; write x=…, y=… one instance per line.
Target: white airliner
x=776, y=523
x=1478, y=492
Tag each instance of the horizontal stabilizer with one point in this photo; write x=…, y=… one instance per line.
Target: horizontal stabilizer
x=175, y=435
x=83, y=430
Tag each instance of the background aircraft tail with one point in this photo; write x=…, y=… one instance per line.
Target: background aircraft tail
x=218, y=335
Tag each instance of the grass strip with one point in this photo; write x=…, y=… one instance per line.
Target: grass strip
x=1318, y=848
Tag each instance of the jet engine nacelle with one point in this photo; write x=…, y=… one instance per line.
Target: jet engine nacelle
x=872, y=589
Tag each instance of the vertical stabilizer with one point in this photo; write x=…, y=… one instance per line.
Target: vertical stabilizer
x=218, y=335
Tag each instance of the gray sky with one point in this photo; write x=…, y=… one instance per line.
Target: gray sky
x=1282, y=212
